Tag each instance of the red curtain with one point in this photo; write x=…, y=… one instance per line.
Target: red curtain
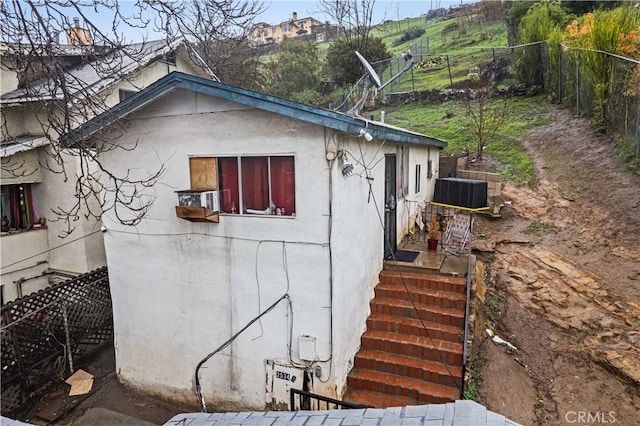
x=255, y=183
x=283, y=184
x=229, y=191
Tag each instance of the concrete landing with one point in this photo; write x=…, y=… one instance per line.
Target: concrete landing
x=431, y=262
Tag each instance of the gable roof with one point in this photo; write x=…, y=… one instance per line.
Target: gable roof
x=99, y=74
x=320, y=116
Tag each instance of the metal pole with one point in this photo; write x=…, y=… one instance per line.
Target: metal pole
x=449, y=68
x=577, y=89
x=66, y=335
x=413, y=84
x=466, y=309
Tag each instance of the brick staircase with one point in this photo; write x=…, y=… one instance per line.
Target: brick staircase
x=398, y=363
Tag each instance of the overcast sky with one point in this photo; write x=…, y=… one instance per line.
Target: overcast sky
x=281, y=10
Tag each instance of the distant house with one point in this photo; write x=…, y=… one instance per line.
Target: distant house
x=310, y=28
x=30, y=236
x=268, y=206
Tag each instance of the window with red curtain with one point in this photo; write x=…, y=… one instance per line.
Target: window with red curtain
x=229, y=189
x=266, y=181
x=255, y=183
x=283, y=184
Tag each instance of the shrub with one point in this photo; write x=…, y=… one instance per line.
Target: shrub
x=411, y=34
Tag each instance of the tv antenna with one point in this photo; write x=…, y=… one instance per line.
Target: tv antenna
x=371, y=78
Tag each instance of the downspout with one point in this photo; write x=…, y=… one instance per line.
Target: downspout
x=330, y=164
x=465, y=348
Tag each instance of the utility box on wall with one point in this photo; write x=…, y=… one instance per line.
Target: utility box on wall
x=307, y=348
x=465, y=193
x=281, y=378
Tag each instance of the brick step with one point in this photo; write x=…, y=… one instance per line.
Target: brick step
x=413, y=326
x=405, y=366
x=404, y=308
x=424, y=392
x=413, y=346
x=427, y=296
x=418, y=279
x=377, y=399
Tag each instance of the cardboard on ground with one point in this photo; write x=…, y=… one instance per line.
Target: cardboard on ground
x=81, y=383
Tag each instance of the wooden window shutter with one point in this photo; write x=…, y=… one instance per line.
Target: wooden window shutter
x=204, y=175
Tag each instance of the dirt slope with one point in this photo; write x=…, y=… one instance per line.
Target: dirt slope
x=569, y=299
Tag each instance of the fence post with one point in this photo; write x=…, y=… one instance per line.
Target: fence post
x=66, y=336
x=24, y=378
x=577, y=88
x=449, y=68
x=560, y=73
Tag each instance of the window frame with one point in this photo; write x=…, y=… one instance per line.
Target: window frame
x=403, y=171
x=239, y=212
x=27, y=209
x=124, y=94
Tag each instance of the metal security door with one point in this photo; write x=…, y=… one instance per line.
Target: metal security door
x=390, y=242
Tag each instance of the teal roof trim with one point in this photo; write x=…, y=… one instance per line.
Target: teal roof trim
x=320, y=116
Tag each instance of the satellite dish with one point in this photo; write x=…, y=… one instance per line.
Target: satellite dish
x=371, y=78
x=371, y=73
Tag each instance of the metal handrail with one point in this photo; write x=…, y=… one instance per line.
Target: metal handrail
x=306, y=399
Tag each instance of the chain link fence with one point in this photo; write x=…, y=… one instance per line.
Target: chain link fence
x=468, y=68
x=613, y=102
x=611, y=99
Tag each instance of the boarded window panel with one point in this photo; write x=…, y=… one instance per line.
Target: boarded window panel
x=204, y=176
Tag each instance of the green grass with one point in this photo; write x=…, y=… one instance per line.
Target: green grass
x=540, y=228
x=495, y=304
x=471, y=388
x=448, y=121
x=462, y=48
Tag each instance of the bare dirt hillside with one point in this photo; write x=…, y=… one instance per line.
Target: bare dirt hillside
x=567, y=294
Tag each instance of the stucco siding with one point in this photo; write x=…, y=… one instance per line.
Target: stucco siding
x=31, y=246
x=180, y=289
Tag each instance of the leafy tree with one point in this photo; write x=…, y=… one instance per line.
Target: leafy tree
x=538, y=24
x=294, y=73
x=341, y=63
x=584, y=6
x=514, y=15
x=614, y=31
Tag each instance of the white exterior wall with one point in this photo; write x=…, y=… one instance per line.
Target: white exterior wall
x=8, y=78
x=180, y=289
x=408, y=206
x=23, y=277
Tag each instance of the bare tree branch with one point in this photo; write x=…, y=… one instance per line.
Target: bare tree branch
x=62, y=86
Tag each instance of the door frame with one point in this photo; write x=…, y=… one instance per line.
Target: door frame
x=390, y=204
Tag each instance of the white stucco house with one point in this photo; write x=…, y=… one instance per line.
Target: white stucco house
x=34, y=252
x=300, y=198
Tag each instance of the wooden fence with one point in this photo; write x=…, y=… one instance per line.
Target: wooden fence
x=45, y=333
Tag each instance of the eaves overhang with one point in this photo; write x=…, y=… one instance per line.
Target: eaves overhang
x=352, y=125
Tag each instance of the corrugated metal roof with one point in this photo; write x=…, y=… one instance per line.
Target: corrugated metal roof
x=18, y=144
x=458, y=413
x=331, y=119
